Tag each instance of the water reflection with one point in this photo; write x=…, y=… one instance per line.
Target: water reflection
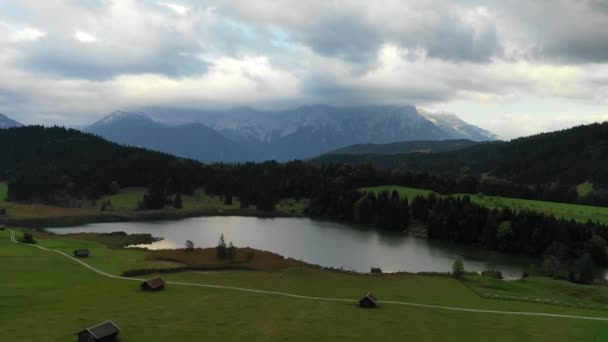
x=319, y=242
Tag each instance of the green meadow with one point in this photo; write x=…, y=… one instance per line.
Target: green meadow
x=581, y=213
x=46, y=296
x=126, y=200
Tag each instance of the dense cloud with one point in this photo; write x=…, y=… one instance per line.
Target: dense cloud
x=494, y=62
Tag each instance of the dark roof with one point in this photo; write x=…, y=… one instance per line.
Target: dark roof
x=154, y=283
x=371, y=297
x=102, y=330
x=82, y=251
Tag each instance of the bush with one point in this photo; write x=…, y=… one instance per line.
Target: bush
x=458, y=269
x=550, y=266
x=28, y=238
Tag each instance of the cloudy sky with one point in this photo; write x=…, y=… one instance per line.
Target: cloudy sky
x=514, y=67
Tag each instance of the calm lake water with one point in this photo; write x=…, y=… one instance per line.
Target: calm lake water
x=318, y=242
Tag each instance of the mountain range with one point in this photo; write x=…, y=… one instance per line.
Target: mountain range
x=191, y=140
x=6, y=122
x=245, y=134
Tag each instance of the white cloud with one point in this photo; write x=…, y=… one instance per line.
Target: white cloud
x=84, y=37
x=177, y=8
x=508, y=66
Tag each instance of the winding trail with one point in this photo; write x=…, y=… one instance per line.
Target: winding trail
x=291, y=295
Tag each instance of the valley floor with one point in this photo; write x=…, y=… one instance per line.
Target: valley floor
x=47, y=296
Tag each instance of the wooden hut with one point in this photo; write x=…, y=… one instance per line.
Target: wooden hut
x=104, y=332
x=369, y=301
x=155, y=284
x=376, y=270
x=81, y=253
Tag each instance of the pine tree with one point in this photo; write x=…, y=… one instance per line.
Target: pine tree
x=221, y=248
x=177, y=201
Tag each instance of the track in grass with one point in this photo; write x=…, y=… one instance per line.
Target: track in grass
x=291, y=295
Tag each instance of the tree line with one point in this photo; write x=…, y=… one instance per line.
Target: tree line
x=572, y=245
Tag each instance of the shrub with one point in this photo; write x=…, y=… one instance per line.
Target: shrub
x=28, y=238
x=550, y=266
x=458, y=269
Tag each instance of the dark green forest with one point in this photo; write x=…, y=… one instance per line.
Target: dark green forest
x=546, y=166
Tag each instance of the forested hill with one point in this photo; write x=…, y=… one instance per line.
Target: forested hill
x=422, y=146
x=47, y=164
x=568, y=157
x=54, y=165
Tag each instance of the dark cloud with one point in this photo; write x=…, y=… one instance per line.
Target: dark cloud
x=459, y=42
x=73, y=59
x=343, y=37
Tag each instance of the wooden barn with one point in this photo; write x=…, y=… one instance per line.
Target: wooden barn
x=81, y=253
x=104, y=332
x=369, y=301
x=155, y=284
x=376, y=270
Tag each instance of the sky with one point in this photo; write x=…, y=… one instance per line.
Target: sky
x=513, y=67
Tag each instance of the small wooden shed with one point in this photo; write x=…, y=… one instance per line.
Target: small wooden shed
x=104, y=332
x=81, y=253
x=369, y=301
x=155, y=284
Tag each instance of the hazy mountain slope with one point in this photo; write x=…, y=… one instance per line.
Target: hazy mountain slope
x=309, y=131
x=6, y=122
x=193, y=140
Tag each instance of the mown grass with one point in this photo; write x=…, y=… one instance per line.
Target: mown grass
x=577, y=212
x=557, y=292
x=293, y=206
x=45, y=296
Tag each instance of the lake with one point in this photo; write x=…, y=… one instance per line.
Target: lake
x=318, y=242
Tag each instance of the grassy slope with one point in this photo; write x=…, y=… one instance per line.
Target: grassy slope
x=45, y=296
x=577, y=212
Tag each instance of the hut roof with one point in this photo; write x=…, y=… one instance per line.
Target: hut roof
x=155, y=283
x=371, y=297
x=102, y=330
x=81, y=251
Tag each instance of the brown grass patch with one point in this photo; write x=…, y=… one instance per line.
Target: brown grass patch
x=245, y=257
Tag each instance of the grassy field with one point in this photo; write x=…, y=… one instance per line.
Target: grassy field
x=45, y=296
x=542, y=289
x=293, y=206
x=580, y=213
x=584, y=189
x=127, y=200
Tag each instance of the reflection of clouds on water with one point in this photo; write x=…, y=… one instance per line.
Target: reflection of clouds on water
x=162, y=244
x=319, y=242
